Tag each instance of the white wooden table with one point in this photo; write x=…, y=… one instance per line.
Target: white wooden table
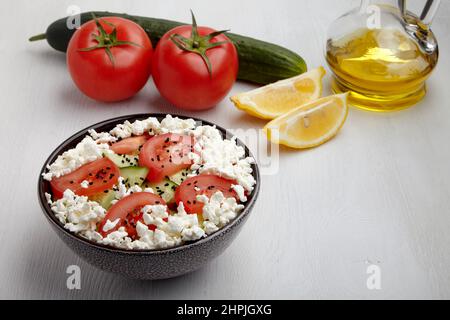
x=378, y=194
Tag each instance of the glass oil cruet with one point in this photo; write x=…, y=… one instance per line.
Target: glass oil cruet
x=382, y=54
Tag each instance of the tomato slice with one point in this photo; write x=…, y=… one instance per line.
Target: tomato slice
x=129, y=145
x=165, y=155
x=128, y=210
x=101, y=175
x=202, y=185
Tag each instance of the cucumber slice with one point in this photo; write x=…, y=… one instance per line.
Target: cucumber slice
x=123, y=161
x=179, y=177
x=165, y=189
x=104, y=199
x=133, y=175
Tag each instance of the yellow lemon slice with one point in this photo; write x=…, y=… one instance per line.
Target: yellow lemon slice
x=280, y=97
x=311, y=124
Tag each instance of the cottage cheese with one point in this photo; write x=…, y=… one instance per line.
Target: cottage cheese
x=221, y=157
x=240, y=191
x=86, y=151
x=77, y=213
x=110, y=225
x=158, y=229
x=102, y=137
x=121, y=191
x=84, y=184
x=137, y=128
x=150, y=125
x=176, y=125
x=218, y=209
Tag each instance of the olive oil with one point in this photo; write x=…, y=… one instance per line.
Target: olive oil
x=383, y=69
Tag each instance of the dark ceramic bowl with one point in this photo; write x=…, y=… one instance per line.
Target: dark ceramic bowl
x=145, y=264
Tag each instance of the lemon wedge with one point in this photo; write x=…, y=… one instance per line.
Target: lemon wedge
x=280, y=97
x=311, y=124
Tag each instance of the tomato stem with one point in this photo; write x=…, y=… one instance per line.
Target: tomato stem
x=107, y=40
x=198, y=44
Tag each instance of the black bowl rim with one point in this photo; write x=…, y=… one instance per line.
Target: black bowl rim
x=52, y=218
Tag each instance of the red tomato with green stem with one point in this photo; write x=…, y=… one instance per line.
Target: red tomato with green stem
x=194, y=67
x=109, y=59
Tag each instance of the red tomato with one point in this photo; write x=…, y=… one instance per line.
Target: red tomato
x=129, y=145
x=165, y=155
x=207, y=185
x=128, y=210
x=112, y=77
x=101, y=174
x=182, y=77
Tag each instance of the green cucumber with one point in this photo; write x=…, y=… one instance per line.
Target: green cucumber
x=104, y=199
x=165, y=189
x=179, y=177
x=259, y=61
x=133, y=176
x=123, y=161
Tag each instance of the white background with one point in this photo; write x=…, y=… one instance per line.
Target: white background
x=377, y=194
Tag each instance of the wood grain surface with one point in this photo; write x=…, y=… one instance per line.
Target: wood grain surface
x=379, y=193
